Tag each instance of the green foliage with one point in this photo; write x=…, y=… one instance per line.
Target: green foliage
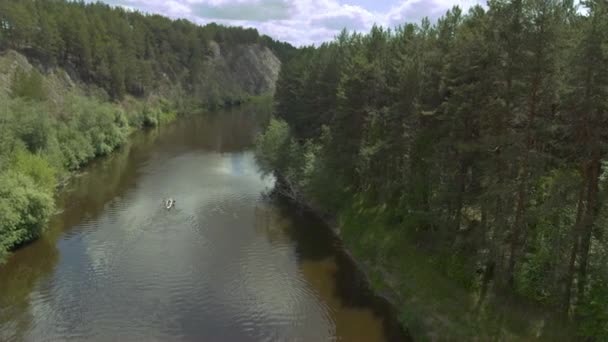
x=76, y=148
x=150, y=65
x=103, y=125
x=40, y=145
x=594, y=312
x=28, y=85
x=36, y=168
x=481, y=138
x=272, y=147
x=20, y=30
x=125, y=52
x=31, y=123
x=24, y=210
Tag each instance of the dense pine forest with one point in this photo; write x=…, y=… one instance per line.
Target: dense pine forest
x=480, y=140
x=76, y=79
x=123, y=52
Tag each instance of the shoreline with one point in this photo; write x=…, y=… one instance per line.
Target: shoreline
x=165, y=118
x=388, y=300
x=430, y=312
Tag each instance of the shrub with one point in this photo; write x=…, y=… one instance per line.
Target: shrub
x=36, y=168
x=24, y=210
x=272, y=147
x=28, y=85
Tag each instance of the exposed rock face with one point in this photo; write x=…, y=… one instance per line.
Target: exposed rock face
x=254, y=67
x=10, y=61
x=56, y=82
x=231, y=72
x=238, y=71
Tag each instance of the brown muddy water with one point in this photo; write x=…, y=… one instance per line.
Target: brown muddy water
x=227, y=263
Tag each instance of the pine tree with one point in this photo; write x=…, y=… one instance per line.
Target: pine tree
x=588, y=112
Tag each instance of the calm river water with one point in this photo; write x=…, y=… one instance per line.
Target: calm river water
x=227, y=263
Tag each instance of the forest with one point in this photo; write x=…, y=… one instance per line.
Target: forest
x=123, y=52
x=93, y=74
x=480, y=139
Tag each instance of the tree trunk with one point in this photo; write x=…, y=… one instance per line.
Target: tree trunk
x=574, y=252
x=460, y=188
x=522, y=191
x=487, y=274
x=591, y=213
x=517, y=228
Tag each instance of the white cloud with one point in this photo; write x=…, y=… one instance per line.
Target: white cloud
x=256, y=10
x=409, y=11
x=300, y=22
x=413, y=11
x=351, y=17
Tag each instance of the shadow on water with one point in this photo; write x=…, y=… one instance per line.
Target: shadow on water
x=92, y=189
x=316, y=242
x=225, y=131
x=224, y=264
x=32, y=265
x=18, y=278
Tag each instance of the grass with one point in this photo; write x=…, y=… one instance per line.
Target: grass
x=431, y=304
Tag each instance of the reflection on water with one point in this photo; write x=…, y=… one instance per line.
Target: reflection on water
x=226, y=264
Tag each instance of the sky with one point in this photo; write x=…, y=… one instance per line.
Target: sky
x=300, y=22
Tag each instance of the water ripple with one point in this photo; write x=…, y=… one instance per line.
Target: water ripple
x=223, y=265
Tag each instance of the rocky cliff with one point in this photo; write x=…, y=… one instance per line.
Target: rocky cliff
x=254, y=69
x=235, y=72
x=230, y=73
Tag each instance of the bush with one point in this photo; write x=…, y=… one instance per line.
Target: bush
x=36, y=168
x=37, y=145
x=28, y=85
x=32, y=124
x=272, y=147
x=593, y=313
x=24, y=210
x=75, y=147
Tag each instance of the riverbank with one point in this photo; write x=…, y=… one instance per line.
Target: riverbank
x=385, y=297
x=38, y=163
x=45, y=142
x=431, y=305
x=226, y=263
x=441, y=290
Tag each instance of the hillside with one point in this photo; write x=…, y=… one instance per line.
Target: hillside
x=467, y=163
x=236, y=72
x=130, y=53
x=76, y=79
x=232, y=74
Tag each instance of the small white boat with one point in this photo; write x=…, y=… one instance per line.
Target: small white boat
x=170, y=203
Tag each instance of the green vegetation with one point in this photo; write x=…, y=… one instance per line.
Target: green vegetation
x=127, y=52
x=40, y=142
x=100, y=72
x=476, y=146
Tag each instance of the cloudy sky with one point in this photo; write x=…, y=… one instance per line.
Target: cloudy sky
x=299, y=22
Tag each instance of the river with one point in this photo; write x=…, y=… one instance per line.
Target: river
x=227, y=263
